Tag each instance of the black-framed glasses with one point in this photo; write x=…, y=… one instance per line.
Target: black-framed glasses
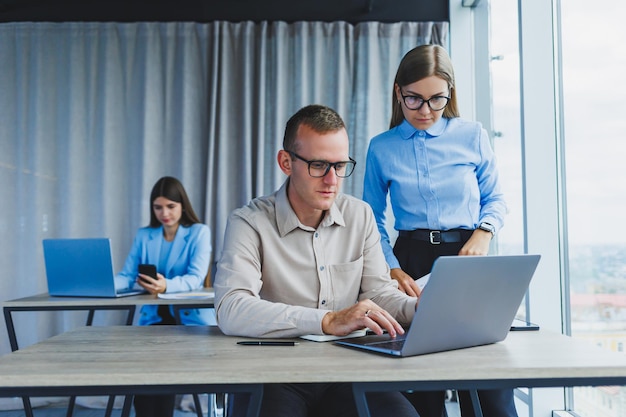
x=318, y=169
x=435, y=103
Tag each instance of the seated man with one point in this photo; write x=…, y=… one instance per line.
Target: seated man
x=307, y=260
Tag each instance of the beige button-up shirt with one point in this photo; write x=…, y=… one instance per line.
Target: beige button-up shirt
x=278, y=278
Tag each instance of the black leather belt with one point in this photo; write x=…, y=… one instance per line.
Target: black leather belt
x=436, y=237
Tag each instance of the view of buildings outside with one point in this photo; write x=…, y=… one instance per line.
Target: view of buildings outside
x=595, y=128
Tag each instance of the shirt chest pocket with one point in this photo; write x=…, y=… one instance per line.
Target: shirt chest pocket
x=345, y=282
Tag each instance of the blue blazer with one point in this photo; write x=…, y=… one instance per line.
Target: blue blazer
x=186, y=267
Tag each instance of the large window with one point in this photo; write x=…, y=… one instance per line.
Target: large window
x=589, y=105
x=593, y=95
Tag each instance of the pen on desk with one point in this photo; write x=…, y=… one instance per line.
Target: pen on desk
x=266, y=343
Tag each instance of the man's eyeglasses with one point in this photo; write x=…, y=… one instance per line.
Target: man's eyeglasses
x=435, y=103
x=318, y=169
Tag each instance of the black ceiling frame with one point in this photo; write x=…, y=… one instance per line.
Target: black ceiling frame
x=352, y=11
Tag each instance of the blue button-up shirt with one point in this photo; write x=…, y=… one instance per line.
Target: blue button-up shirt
x=439, y=179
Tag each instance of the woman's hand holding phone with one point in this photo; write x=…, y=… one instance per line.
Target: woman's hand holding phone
x=149, y=279
x=147, y=269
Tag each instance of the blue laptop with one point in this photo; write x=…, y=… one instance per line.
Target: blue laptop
x=81, y=268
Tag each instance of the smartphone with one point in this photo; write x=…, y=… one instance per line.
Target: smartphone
x=148, y=269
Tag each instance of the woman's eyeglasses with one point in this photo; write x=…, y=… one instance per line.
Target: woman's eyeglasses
x=435, y=103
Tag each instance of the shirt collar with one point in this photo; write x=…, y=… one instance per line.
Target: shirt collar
x=286, y=218
x=407, y=130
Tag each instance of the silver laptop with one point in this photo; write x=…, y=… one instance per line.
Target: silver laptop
x=81, y=268
x=468, y=301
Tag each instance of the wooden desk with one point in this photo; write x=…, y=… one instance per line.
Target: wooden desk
x=45, y=302
x=120, y=360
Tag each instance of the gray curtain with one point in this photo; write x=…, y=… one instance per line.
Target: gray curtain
x=92, y=114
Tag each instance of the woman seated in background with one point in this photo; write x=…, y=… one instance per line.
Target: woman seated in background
x=179, y=245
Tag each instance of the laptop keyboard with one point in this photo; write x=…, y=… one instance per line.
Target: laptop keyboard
x=130, y=291
x=394, y=344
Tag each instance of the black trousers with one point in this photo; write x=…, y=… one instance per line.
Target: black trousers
x=416, y=259
x=157, y=405
x=320, y=400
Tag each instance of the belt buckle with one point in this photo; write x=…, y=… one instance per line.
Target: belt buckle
x=435, y=237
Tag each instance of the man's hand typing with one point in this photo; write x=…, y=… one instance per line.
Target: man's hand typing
x=363, y=314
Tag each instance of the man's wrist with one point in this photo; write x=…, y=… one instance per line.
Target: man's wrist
x=326, y=322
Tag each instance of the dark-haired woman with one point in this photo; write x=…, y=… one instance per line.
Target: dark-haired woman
x=179, y=245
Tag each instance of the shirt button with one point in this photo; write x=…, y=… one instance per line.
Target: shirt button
x=323, y=302
x=316, y=234
x=322, y=268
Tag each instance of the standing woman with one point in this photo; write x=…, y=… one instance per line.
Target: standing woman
x=179, y=245
x=440, y=173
